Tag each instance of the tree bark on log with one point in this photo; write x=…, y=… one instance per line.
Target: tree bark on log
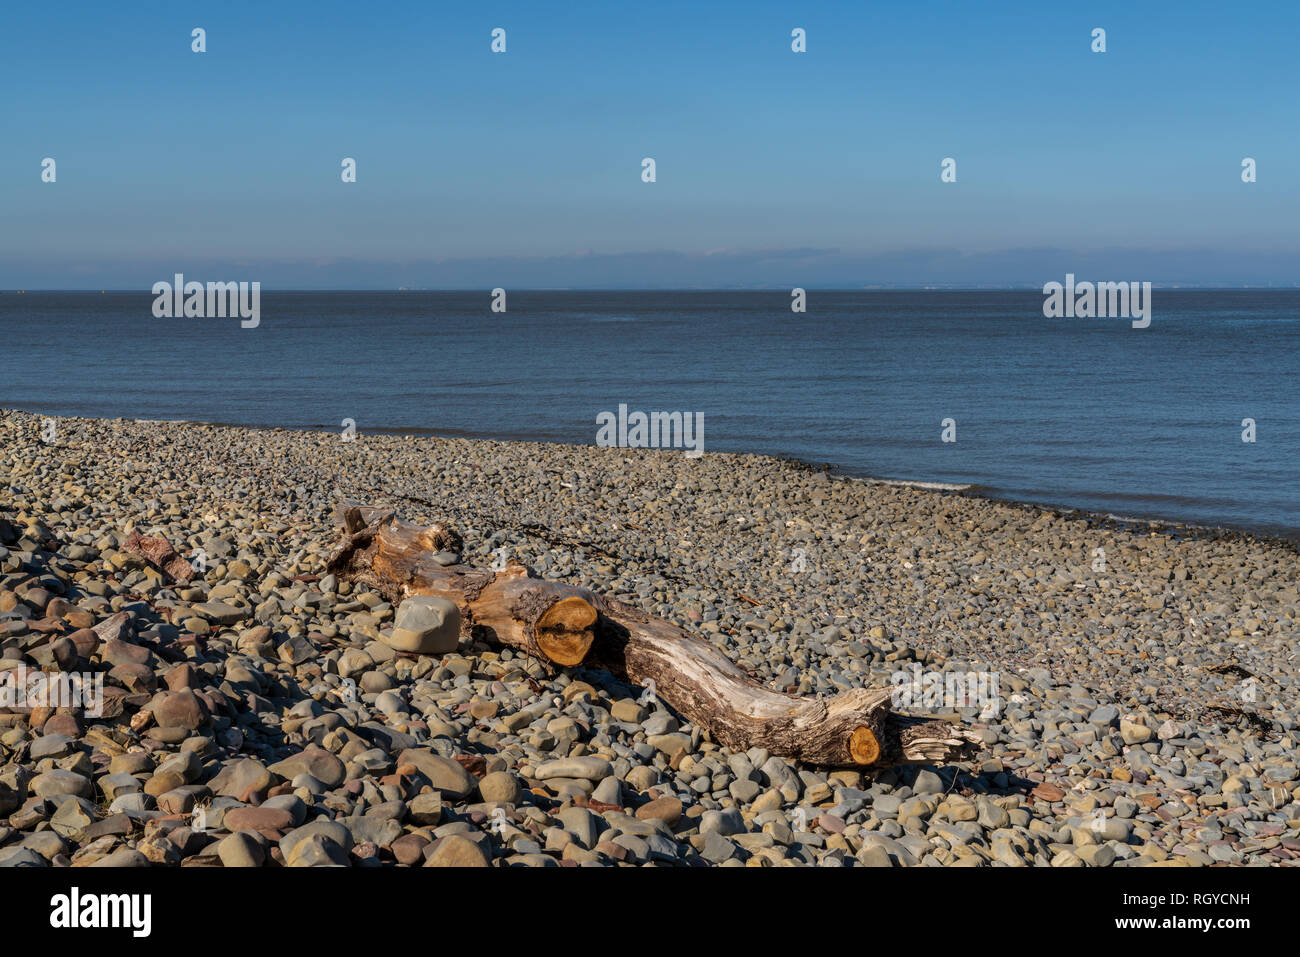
x=564, y=625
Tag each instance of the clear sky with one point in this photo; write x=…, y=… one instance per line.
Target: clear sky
x=524, y=168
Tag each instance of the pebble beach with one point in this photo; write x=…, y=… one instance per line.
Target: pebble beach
x=257, y=714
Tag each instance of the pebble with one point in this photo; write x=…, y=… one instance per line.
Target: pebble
x=666, y=809
x=455, y=850
x=450, y=778
x=314, y=722
x=587, y=768
x=426, y=625
x=499, y=787
x=240, y=850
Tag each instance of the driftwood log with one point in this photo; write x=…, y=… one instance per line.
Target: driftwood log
x=565, y=626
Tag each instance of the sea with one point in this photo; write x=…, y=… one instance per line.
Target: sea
x=1078, y=413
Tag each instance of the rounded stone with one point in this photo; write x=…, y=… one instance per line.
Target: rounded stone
x=456, y=851
x=180, y=709
x=499, y=787
x=241, y=850
x=425, y=625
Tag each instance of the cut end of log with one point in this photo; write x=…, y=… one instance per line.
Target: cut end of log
x=926, y=742
x=564, y=631
x=864, y=747
x=440, y=538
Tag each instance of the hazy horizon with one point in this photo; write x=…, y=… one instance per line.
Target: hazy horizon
x=876, y=287
x=666, y=270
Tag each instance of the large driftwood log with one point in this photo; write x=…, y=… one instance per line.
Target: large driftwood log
x=566, y=625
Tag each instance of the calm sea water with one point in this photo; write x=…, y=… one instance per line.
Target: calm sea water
x=1085, y=413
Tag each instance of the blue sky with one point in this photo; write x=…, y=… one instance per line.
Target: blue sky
x=524, y=168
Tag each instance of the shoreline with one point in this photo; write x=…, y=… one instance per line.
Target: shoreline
x=1151, y=523
x=1127, y=673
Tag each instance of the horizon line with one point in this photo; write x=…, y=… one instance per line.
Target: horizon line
x=871, y=287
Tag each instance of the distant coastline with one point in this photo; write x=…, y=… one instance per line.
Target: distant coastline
x=1021, y=286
